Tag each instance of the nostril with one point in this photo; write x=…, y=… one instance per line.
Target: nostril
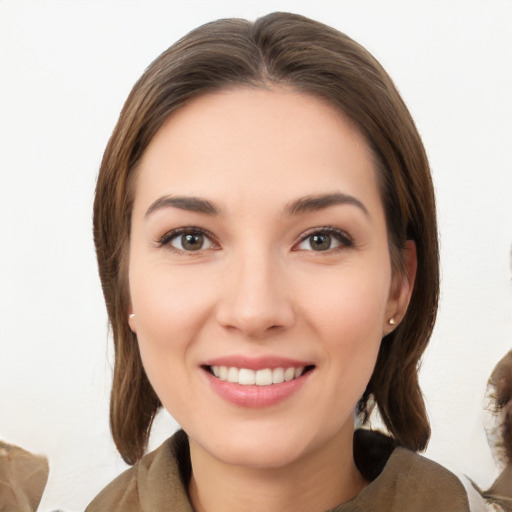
x=254, y=315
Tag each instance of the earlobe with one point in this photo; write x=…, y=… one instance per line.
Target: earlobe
x=401, y=288
x=131, y=322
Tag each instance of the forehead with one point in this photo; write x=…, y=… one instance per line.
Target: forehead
x=278, y=142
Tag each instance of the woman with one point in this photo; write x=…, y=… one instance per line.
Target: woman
x=266, y=237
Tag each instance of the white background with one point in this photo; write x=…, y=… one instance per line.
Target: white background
x=66, y=68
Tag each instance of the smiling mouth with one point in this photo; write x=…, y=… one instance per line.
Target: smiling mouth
x=263, y=377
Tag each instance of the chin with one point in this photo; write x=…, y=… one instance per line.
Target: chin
x=258, y=453
x=261, y=447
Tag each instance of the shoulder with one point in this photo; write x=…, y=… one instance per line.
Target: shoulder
x=401, y=480
x=433, y=476
x=417, y=483
x=151, y=485
x=120, y=494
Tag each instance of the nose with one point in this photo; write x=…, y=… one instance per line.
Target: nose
x=255, y=299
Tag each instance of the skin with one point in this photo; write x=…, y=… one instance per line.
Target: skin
x=257, y=288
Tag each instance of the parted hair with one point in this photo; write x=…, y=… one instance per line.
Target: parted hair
x=277, y=50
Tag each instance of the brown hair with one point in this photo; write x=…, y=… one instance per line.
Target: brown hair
x=293, y=51
x=500, y=384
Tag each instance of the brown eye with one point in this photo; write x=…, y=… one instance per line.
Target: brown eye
x=324, y=240
x=189, y=241
x=320, y=242
x=192, y=242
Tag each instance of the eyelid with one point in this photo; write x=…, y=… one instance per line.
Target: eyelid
x=166, y=239
x=341, y=236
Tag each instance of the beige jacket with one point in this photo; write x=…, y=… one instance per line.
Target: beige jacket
x=402, y=481
x=23, y=477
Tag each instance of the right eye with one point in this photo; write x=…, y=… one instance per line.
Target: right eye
x=187, y=240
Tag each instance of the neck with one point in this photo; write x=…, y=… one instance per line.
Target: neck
x=317, y=481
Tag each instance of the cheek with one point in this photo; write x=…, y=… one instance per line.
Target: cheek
x=169, y=314
x=164, y=333
x=349, y=317
x=166, y=302
x=352, y=302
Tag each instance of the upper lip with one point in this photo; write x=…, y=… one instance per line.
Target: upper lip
x=257, y=363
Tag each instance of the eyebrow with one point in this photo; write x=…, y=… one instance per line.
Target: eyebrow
x=319, y=202
x=191, y=204
x=302, y=205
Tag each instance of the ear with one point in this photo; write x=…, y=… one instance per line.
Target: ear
x=401, y=289
x=131, y=321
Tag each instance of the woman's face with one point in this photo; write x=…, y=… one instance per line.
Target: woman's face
x=260, y=276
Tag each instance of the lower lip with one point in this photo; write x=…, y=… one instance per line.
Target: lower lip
x=256, y=396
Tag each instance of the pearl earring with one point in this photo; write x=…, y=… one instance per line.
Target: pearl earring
x=132, y=315
x=392, y=321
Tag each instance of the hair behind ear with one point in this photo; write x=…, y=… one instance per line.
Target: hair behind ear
x=394, y=383
x=132, y=392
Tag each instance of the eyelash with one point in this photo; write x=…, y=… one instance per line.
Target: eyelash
x=168, y=237
x=345, y=240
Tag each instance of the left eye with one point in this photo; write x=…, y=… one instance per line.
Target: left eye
x=323, y=241
x=190, y=241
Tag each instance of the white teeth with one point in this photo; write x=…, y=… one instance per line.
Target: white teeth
x=232, y=375
x=289, y=374
x=263, y=377
x=246, y=377
x=277, y=375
